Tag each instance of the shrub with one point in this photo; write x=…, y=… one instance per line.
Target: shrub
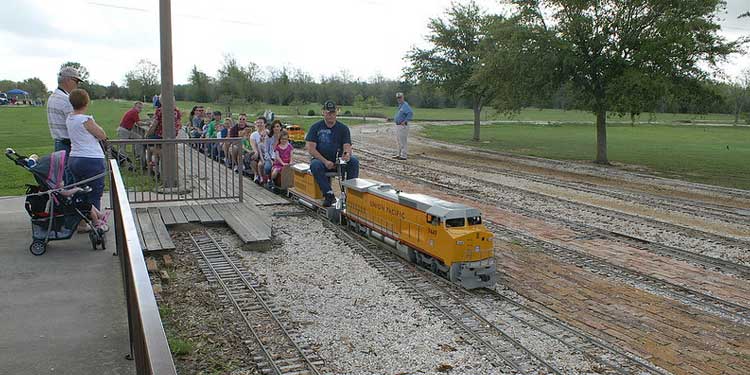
x=311, y=113
x=347, y=113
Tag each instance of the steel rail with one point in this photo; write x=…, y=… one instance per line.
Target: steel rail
x=238, y=273
x=424, y=295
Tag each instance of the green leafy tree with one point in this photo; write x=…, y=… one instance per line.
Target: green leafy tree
x=739, y=92
x=455, y=57
x=200, y=86
x=7, y=84
x=236, y=81
x=143, y=81
x=601, y=41
x=34, y=86
x=82, y=71
x=113, y=91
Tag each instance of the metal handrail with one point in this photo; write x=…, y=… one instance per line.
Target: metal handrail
x=196, y=174
x=148, y=342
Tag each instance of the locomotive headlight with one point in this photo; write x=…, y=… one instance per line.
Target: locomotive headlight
x=459, y=242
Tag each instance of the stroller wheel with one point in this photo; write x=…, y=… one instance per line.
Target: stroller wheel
x=94, y=237
x=38, y=247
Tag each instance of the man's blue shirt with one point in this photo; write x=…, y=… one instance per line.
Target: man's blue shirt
x=403, y=113
x=330, y=141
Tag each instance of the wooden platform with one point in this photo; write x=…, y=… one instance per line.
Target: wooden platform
x=250, y=224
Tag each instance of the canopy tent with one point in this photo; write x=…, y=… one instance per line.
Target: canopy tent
x=16, y=92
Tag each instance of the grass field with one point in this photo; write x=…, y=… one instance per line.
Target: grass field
x=693, y=153
x=716, y=155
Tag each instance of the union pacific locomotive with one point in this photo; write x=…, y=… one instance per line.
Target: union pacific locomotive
x=447, y=238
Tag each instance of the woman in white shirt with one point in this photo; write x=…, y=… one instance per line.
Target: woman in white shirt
x=86, y=158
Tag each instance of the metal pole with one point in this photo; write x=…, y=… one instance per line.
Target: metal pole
x=168, y=157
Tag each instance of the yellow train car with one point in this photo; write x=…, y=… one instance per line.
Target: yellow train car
x=448, y=238
x=296, y=135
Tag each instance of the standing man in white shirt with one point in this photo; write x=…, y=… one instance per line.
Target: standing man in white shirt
x=59, y=107
x=402, y=117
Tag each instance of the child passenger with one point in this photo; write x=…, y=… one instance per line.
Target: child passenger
x=282, y=155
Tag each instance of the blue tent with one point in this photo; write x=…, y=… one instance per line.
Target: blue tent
x=17, y=92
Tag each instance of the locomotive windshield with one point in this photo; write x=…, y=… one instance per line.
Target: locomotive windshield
x=452, y=223
x=474, y=220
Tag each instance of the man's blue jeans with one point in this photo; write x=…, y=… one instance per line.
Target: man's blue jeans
x=318, y=170
x=62, y=144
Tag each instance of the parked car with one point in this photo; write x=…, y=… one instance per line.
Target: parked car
x=3, y=99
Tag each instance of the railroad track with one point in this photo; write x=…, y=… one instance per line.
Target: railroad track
x=565, y=166
x=737, y=313
x=631, y=240
x=504, y=352
x=273, y=348
x=450, y=300
x=698, y=209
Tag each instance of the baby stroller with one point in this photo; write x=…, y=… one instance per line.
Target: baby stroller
x=55, y=209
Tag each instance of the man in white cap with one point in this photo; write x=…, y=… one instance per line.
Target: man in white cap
x=402, y=117
x=59, y=107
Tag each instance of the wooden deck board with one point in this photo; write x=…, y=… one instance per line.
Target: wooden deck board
x=213, y=213
x=179, y=216
x=138, y=228
x=189, y=213
x=203, y=216
x=148, y=231
x=166, y=215
x=161, y=230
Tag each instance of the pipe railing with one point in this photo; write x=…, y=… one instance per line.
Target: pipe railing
x=148, y=342
x=205, y=168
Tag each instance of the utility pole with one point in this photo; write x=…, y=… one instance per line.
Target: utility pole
x=169, y=155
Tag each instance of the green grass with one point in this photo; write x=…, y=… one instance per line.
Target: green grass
x=25, y=129
x=706, y=154
x=179, y=347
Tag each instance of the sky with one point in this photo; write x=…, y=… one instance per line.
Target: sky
x=364, y=38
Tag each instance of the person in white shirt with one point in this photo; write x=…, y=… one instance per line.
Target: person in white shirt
x=86, y=155
x=258, y=143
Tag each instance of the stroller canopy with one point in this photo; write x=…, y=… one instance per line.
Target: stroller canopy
x=49, y=171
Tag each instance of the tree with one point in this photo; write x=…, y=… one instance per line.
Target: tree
x=82, y=71
x=455, y=57
x=200, y=83
x=34, y=86
x=601, y=41
x=236, y=81
x=113, y=91
x=143, y=81
x=739, y=90
x=366, y=106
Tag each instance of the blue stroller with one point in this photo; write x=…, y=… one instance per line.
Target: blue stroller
x=55, y=209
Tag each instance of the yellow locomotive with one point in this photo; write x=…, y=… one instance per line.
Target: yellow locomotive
x=296, y=135
x=447, y=238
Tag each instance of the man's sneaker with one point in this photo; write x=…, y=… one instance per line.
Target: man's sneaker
x=399, y=158
x=396, y=157
x=330, y=198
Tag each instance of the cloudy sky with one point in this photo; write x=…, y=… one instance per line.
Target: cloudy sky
x=362, y=37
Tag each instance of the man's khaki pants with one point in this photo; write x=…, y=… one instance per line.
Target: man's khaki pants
x=402, y=131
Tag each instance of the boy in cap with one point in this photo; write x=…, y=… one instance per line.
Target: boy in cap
x=327, y=140
x=59, y=107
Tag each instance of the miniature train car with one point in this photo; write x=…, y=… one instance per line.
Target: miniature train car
x=296, y=135
x=447, y=238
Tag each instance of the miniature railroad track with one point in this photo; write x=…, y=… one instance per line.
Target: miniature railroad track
x=605, y=214
x=738, y=313
x=694, y=208
x=634, y=241
x=273, y=348
x=613, y=360
x=486, y=337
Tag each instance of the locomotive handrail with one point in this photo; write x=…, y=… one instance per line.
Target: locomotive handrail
x=148, y=342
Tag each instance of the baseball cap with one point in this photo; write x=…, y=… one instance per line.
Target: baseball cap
x=70, y=72
x=399, y=94
x=329, y=106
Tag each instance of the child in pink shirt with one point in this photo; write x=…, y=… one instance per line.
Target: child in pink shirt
x=282, y=155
